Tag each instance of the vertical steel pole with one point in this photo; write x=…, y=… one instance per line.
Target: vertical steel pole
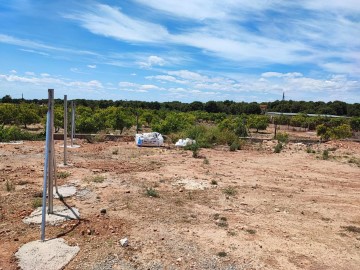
x=74, y=119
x=51, y=151
x=65, y=129
x=43, y=218
x=72, y=122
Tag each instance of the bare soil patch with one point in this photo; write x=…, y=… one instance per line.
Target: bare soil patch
x=249, y=209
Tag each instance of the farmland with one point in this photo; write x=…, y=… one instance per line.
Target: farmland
x=245, y=209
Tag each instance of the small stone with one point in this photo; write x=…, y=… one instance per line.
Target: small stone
x=276, y=209
x=124, y=242
x=103, y=211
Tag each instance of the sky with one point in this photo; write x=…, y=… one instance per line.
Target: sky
x=189, y=50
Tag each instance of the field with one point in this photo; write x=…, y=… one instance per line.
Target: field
x=248, y=209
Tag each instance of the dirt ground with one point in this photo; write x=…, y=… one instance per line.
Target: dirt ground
x=249, y=209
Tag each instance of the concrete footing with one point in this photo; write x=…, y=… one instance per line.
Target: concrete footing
x=52, y=254
x=61, y=214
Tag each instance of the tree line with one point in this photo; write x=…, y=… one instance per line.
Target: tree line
x=339, y=108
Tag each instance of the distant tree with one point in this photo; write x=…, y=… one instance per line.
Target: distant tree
x=6, y=99
x=259, y=122
x=28, y=114
x=355, y=123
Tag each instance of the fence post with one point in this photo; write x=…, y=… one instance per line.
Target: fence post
x=51, y=151
x=65, y=129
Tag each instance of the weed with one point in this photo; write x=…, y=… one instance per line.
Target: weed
x=353, y=229
x=9, y=186
x=278, y=148
x=310, y=151
x=151, y=192
x=354, y=160
x=23, y=182
x=234, y=146
x=325, y=154
x=222, y=254
x=63, y=175
x=282, y=137
x=231, y=233
x=195, y=150
x=190, y=196
x=213, y=182
x=115, y=151
x=222, y=223
x=251, y=231
x=95, y=179
x=206, y=161
x=231, y=191
x=216, y=216
x=37, y=202
x=223, y=218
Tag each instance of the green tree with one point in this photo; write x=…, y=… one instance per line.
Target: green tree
x=28, y=114
x=355, y=123
x=259, y=122
x=6, y=99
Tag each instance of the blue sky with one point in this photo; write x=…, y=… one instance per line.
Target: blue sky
x=165, y=50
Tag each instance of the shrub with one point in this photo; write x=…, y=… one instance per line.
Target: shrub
x=9, y=186
x=194, y=148
x=151, y=192
x=63, y=175
x=37, y=202
x=278, y=148
x=282, y=137
x=231, y=191
x=234, y=146
x=14, y=133
x=325, y=154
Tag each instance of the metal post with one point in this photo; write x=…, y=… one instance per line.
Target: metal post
x=51, y=151
x=72, y=122
x=43, y=218
x=65, y=129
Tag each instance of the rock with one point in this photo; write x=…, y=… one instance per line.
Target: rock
x=276, y=209
x=124, y=242
x=103, y=211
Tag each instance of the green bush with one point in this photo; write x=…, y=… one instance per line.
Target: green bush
x=282, y=137
x=278, y=148
x=325, y=154
x=14, y=133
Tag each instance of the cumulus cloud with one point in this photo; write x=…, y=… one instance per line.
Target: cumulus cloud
x=151, y=61
x=91, y=66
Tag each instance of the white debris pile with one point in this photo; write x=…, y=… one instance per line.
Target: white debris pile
x=184, y=142
x=149, y=139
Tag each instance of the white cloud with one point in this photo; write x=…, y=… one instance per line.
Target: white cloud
x=111, y=22
x=29, y=73
x=33, y=51
x=48, y=81
x=151, y=61
x=13, y=71
x=280, y=75
x=222, y=30
x=91, y=66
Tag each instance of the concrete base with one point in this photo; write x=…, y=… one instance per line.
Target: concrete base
x=52, y=254
x=65, y=191
x=61, y=214
x=69, y=146
x=13, y=142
